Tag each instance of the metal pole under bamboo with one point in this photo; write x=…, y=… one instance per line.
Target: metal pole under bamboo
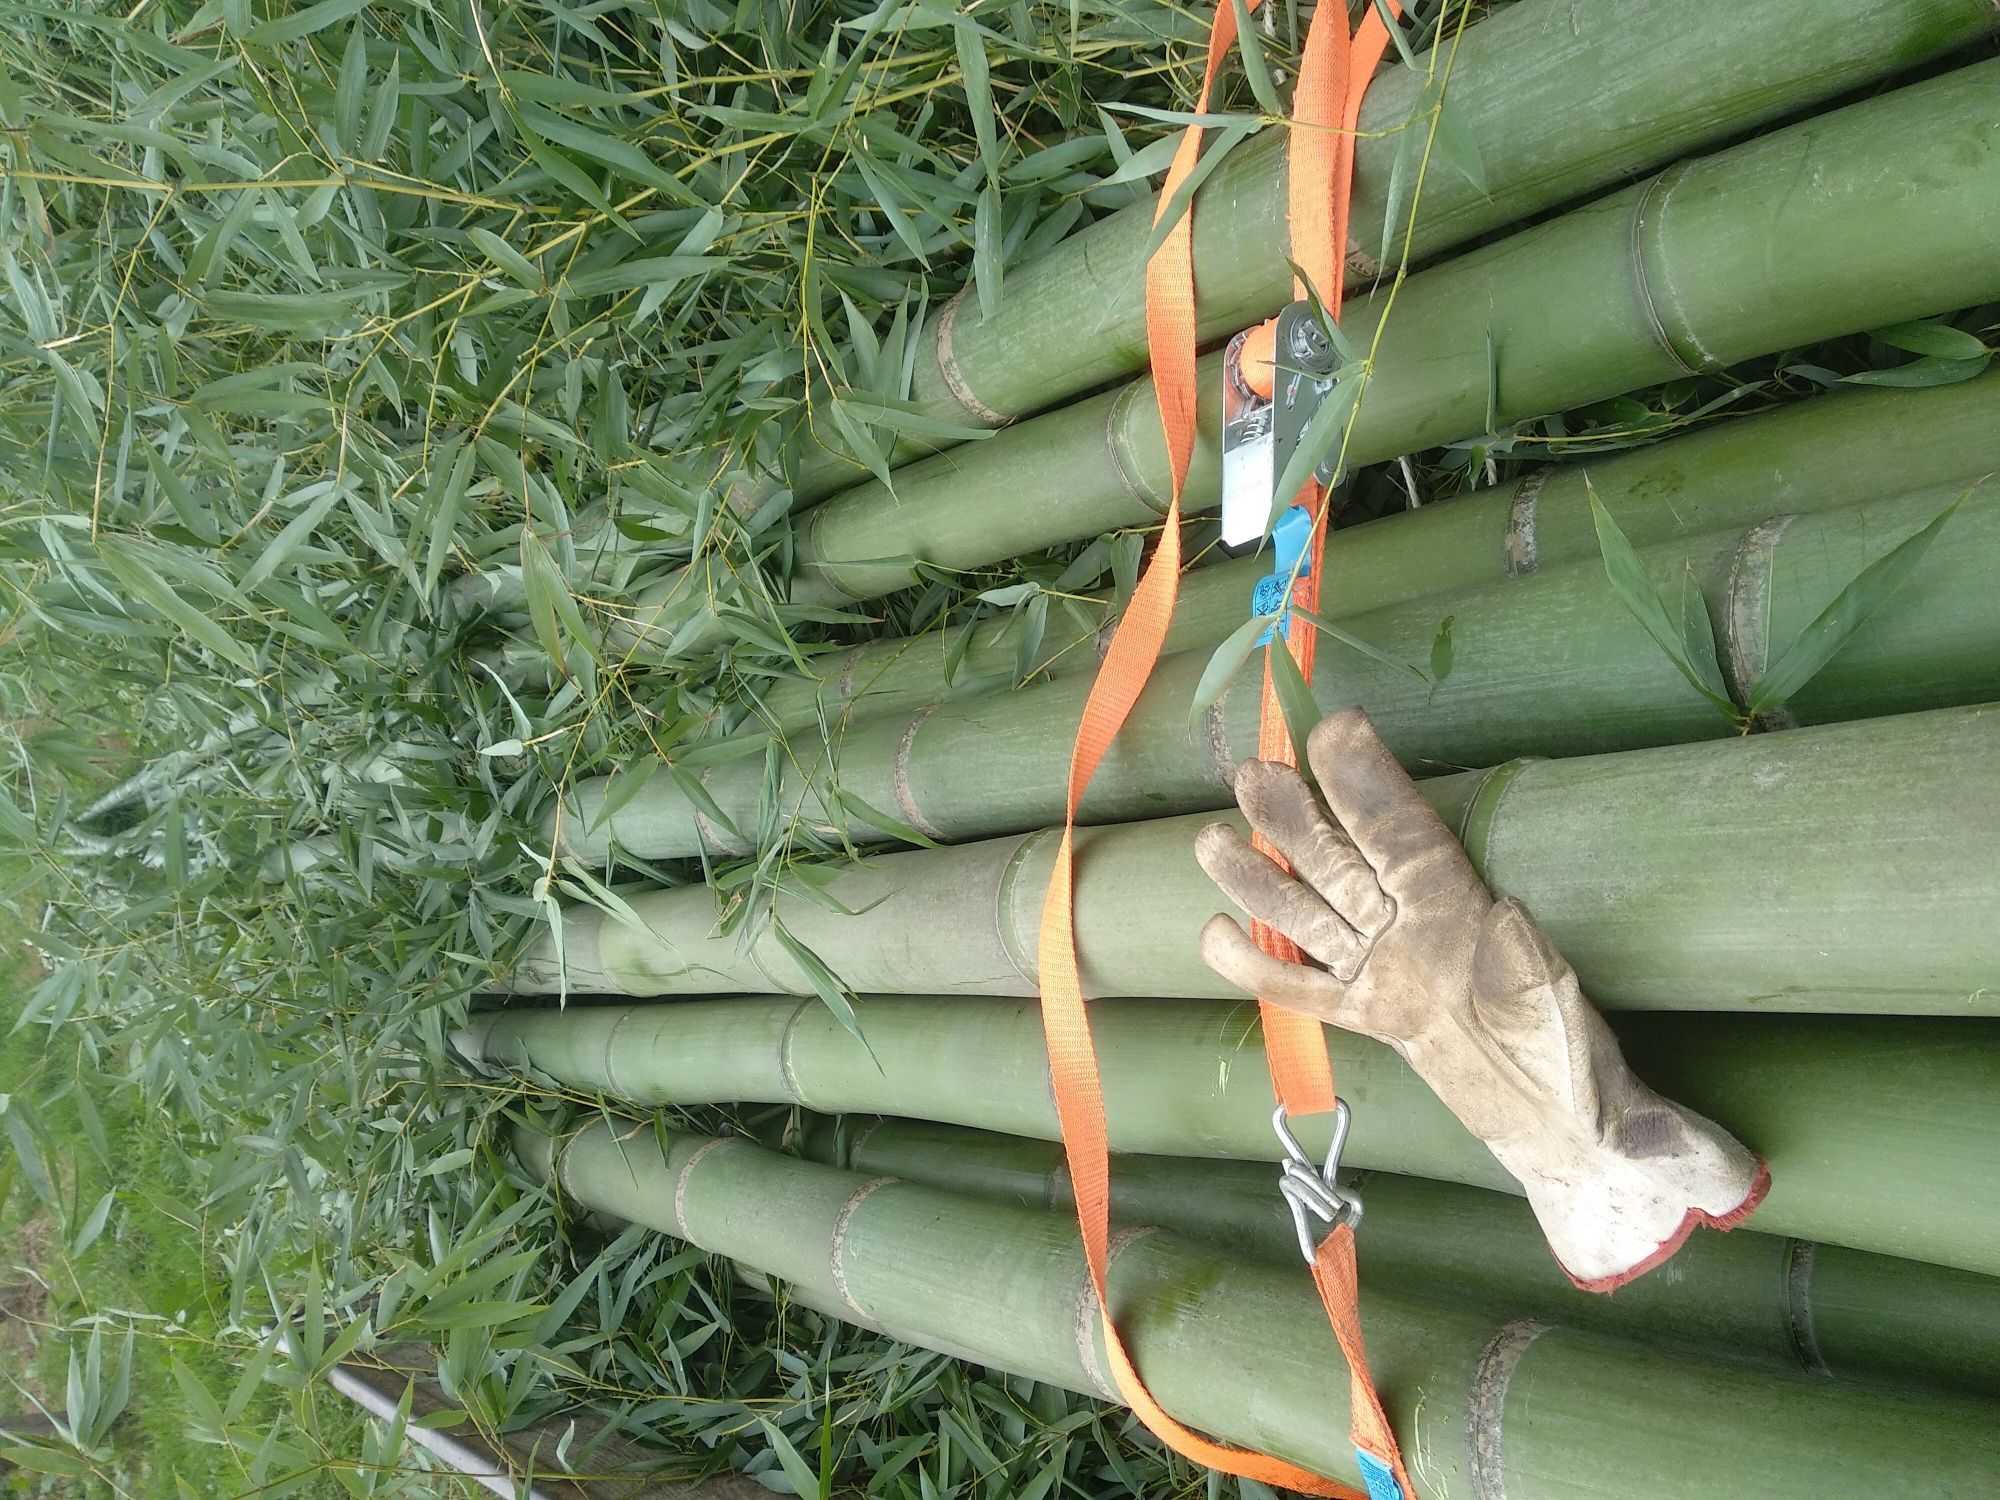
x=1847, y=867
x=1886, y=210
x=1550, y=665
x=1822, y=1309
x=1238, y=1347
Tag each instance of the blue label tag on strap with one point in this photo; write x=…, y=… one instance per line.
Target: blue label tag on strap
x=1288, y=544
x=1379, y=1477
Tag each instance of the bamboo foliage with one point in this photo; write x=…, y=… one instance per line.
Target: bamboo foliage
x=1688, y=877
x=1879, y=1133
x=1817, y=1308
x=1238, y=1347
x=1690, y=271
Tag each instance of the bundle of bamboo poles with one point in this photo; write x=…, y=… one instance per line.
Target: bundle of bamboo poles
x=1814, y=902
x=1484, y=1403
x=1885, y=210
x=1563, y=101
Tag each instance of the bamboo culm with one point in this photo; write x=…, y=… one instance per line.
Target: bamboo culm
x=1883, y=211
x=1880, y=1134
x=1554, y=664
x=1797, y=459
x=1239, y=1348
x=1822, y=1309
x=1847, y=867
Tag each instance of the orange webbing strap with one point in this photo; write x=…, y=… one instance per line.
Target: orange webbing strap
x=1326, y=109
x=1327, y=101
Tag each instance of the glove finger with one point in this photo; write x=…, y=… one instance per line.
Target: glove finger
x=1258, y=886
x=1228, y=949
x=1412, y=851
x=1278, y=802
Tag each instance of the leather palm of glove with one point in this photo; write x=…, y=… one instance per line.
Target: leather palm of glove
x=1415, y=951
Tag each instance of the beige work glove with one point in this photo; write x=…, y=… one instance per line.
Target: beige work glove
x=1414, y=951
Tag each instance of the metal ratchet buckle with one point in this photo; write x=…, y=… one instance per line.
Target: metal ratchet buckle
x=1312, y=1190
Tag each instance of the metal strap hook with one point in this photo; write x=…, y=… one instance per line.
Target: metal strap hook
x=1311, y=1190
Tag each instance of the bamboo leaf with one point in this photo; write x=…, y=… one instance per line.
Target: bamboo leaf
x=1295, y=699
x=1324, y=436
x=144, y=583
x=26, y=1139
x=979, y=100
x=1455, y=139
x=834, y=995
x=1255, y=69
x=567, y=172
x=1327, y=318
x=292, y=537
x=1387, y=14
x=1148, y=161
x=1403, y=169
x=93, y=1225
x=884, y=199
x=626, y=782
x=507, y=258
x=1441, y=651
x=1034, y=624
x=1928, y=371
x=301, y=23
x=986, y=263
x=1869, y=590
x=1235, y=130
x=551, y=607
x=874, y=817
x=906, y=420
x=619, y=155
x=804, y=1481
x=1927, y=336
x=1223, y=665
x=1634, y=588
x=1355, y=643
x=691, y=788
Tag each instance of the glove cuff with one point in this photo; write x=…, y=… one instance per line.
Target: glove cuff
x=1694, y=1219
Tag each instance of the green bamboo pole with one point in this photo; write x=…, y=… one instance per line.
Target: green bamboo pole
x=1807, y=456
x=1553, y=665
x=1880, y=1133
x=1886, y=210
x=1820, y=1308
x=1562, y=100
x=1239, y=1348
x=1846, y=867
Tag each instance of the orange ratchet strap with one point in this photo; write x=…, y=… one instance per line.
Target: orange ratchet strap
x=1335, y=71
